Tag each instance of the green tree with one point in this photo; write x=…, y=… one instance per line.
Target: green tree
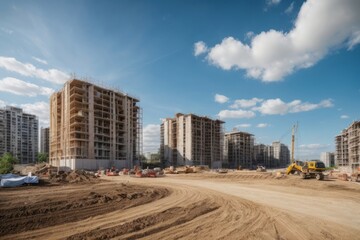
x=42, y=157
x=7, y=162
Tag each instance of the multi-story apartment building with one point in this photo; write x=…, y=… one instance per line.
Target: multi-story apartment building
x=19, y=134
x=342, y=149
x=239, y=149
x=44, y=140
x=189, y=139
x=93, y=127
x=348, y=146
x=281, y=154
x=261, y=155
x=328, y=158
x=272, y=156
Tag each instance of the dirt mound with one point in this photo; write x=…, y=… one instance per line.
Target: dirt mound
x=150, y=224
x=73, y=177
x=70, y=203
x=249, y=176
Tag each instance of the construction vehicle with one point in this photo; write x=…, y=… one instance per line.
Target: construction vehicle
x=260, y=168
x=309, y=169
x=222, y=170
x=355, y=175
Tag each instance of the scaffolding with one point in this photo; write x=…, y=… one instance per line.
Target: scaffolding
x=348, y=146
x=94, y=127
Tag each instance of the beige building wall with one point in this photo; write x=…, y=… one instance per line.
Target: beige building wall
x=348, y=146
x=195, y=141
x=44, y=140
x=181, y=147
x=239, y=149
x=92, y=127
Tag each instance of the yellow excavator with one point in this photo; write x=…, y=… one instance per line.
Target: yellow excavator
x=309, y=169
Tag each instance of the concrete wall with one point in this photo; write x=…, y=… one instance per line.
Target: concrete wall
x=90, y=164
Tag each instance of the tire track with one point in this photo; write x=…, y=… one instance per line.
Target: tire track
x=205, y=209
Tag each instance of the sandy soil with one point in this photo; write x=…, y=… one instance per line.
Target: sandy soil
x=236, y=205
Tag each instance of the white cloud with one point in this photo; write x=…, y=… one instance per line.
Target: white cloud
x=19, y=87
x=262, y=125
x=235, y=114
x=249, y=35
x=2, y=103
x=245, y=103
x=29, y=70
x=221, y=98
x=6, y=30
x=320, y=27
x=270, y=107
x=40, y=109
x=151, y=138
x=244, y=125
x=200, y=48
x=272, y=2
x=354, y=40
x=277, y=106
x=290, y=8
x=297, y=106
x=273, y=106
x=312, y=151
x=344, y=116
x=40, y=60
x=313, y=146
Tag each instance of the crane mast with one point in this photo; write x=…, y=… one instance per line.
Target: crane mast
x=294, y=129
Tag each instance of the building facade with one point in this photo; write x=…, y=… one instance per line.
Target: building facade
x=44, y=140
x=281, y=154
x=262, y=155
x=239, y=149
x=348, y=146
x=189, y=139
x=328, y=158
x=19, y=134
x=92, y=127
x=272, y=156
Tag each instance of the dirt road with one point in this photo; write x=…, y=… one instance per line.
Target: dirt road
x=209, y=206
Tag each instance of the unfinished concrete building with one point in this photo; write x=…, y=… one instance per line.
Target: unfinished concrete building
x=342, y=150
x=44, y=140
x=239, y=149
x=92, y=127
x=19, y=134
x=348, y=146
x=189, y=139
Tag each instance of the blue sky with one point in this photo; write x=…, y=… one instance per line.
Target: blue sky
x=260, y=67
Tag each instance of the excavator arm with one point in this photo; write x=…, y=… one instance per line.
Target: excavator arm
x=292, y=168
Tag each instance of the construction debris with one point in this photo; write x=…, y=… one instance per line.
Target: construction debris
x=13, y=180
x=343, y=176
x=186, y=169
x=260, y=168
x=152, y=173
x=112, y=172
x=222, y=170
x=73, y=177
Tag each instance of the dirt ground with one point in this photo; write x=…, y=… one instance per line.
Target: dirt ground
x=236, y=205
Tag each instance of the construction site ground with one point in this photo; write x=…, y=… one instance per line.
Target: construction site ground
x=235, y=205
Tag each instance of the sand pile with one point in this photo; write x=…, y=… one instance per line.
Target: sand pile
x=72, y=177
